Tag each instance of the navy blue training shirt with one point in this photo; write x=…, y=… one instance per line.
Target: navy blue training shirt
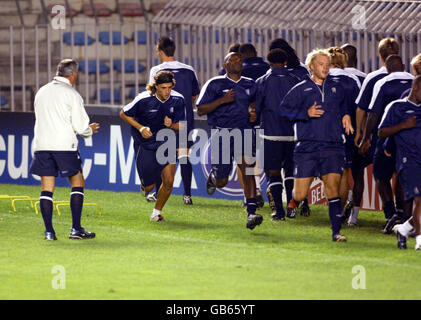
x=149, y=111
x=352, y=86
x=254, y=67
x=359, y=74
x=408, y=141
x=301, y=72
x=406, y=93
x=229, y=115
x=388, y=89
x=328, y=128
x=364, y=98
x=385, y=91
x=186, y=83
x=271, y=89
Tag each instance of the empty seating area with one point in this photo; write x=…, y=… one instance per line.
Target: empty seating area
x=108, y=38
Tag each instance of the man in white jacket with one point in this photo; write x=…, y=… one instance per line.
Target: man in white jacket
x=60, y=116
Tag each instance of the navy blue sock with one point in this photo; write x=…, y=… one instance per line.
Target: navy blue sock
x=46, y=206
x=289, y=186
x=275, y=186
x=305, y=202
x=335, y=214
x=76, y=205
x=251, y=204
x=186, y=176
x=389, y=209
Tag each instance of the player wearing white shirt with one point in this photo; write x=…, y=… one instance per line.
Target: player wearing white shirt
x=59, y=117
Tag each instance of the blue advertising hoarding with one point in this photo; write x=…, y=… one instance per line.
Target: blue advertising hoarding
x=108, y=158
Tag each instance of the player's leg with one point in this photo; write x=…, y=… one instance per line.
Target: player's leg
x=70, y=166
x=331, y=184
x=402, y=232
x=77, y=183
x=241, y=182
x=383, y=169
x=275, y=186
x=410, y=179
x=301, y=188
x=146, y=169
x=257, y=173
x=416, y=216
x=305, y=169
x=344, y=186
x=331, y=164
x=44, y=166
x=272, y=159
x=247, y=171
x=357, y=194
x=186, y=173
x=288, y=166
x=164, y=192
x=46, y=205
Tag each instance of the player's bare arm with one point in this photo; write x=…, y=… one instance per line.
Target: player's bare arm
x=145, y=131
x=389, y=131
x=372, y=120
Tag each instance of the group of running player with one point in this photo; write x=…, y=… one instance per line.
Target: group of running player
x=322, y=119
x=318, y=120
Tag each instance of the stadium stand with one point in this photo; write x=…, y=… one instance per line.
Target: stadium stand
x=27, y=24
x=203, y=30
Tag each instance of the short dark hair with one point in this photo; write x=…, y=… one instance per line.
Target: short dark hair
x=277, y=56
x=394, y=63
x=66, y=67
x=351, y=51
x=234, y=47
x=293, y=60
x=167, y=45
x=247, y=49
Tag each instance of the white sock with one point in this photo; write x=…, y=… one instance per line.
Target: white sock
x=349, y=195
x=353, y=218
x=405, y=228
x=418, y=240
x=257, y=179
x=155, y=213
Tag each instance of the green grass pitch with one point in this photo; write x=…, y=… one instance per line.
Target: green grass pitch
x=201, y=252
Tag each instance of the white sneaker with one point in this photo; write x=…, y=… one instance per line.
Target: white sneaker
x=353, y=224
x=151, y=197
x=158, y=218
x=396, y=228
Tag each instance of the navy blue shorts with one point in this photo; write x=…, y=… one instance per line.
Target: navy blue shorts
x=148, y=167
x=383, y=166
x=278, y=155
x=319, y=163
x=410, y=180
x=240, y=144
x=50, y=163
